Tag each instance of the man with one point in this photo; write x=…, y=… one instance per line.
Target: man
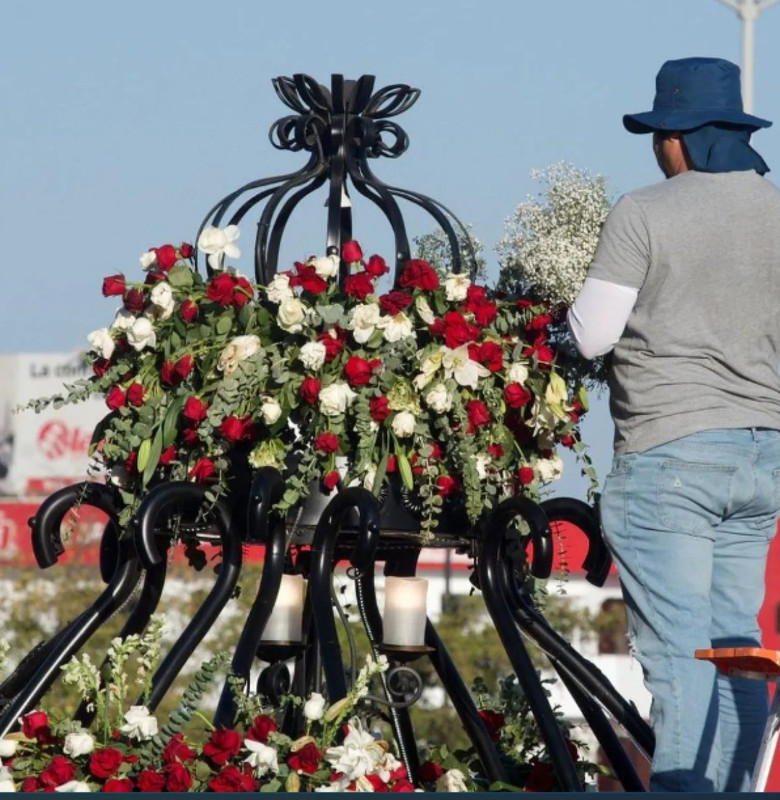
x=685, y=286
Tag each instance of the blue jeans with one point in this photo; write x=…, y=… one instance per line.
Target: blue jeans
x=689, y=525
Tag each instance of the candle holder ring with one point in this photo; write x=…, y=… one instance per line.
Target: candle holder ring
x=405, y=653
x=275, y=652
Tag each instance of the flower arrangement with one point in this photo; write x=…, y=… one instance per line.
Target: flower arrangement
x=449, y=386
x=337, y=750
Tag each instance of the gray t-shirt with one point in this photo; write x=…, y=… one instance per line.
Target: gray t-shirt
x=701, y=348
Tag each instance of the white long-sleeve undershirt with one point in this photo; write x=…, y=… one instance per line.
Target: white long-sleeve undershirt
x=599, y=315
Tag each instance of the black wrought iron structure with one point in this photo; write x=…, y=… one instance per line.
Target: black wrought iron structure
x=342, y=129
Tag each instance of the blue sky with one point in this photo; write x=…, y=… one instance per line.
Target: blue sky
x=124, y=122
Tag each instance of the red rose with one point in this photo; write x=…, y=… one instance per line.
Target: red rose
x=131, y=463
x=59, y=770
x=168, y=373
x=135, y=300
x=496, y=450
x=402, y=786
x=377, y=784
x=491, y=354
x=326, y=442
x=436, y=451
x=242, y=291
x=392, y=463
x=334, y=341
x=167, y=455
x=115, y=398
x=190, y=438
x=118, y=785
x=203, y=470
x=545, y=355
x=351, y=252
x=183, y=366
x=376, y=266
x=485, y=314
x=231, y=779
x=446, y=485
x=105, y=762
x=166, y=256
x=379, y=408
x=429, y=771
x=394, y=302
x=359, y=285
x=189, y=310
x=35, y=725
x=307, y=759
x=457, y=331
x=262, y=725
x=568, y=440
x=222, y=745
x=419, y=274
x=357, y=371
x=177, y=778
x=437, y=327
x=516, y=395
x=30, y=785
x=178, y=750
x=494, y=722
x=475, y=296
x=114, y=284
x=331, y=479
x=221, y=289
x=233, y=429
x=310, y=390
x=154, y=276
x=100, y=366
x=186, y=250
x=478, y=413
x=526, y=475
x=539, y=322
x=150, y=781
x=308, y=279
x=194, y=409
x=135, y=394
x=541, y=778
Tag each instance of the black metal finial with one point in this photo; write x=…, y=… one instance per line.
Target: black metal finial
x=341, y=128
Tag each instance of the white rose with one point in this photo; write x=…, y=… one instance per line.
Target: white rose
x=238, y=349
x=279, y=288
x=403, y=424
x=140, y=724
x=148, y=259
x=141, y=334
x=271, y=410
x=368, y=479
x=8, y=747
x=396, y=327
x=456, y=286
x=518, y=373
x=439, y=399
x=314, y=707
x=335, y=398
x=481, y=466
x=453, y=780
x=73, y=786
x=101, y=342
x=325, y=266
x=78, y=743
x=261, y=758
x=424, y=310
x=162, y=299
x=549, y=469
x=218, y=242
x=290, y=315
x=363, y=321
x=123, y=320
x=312, y=355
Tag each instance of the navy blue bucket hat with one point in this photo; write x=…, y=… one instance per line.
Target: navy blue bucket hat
x=691, y=92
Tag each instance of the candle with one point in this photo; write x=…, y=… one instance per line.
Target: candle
x=406, y=610
x=285, y=622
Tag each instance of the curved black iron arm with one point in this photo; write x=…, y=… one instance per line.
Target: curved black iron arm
x=495, y=585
